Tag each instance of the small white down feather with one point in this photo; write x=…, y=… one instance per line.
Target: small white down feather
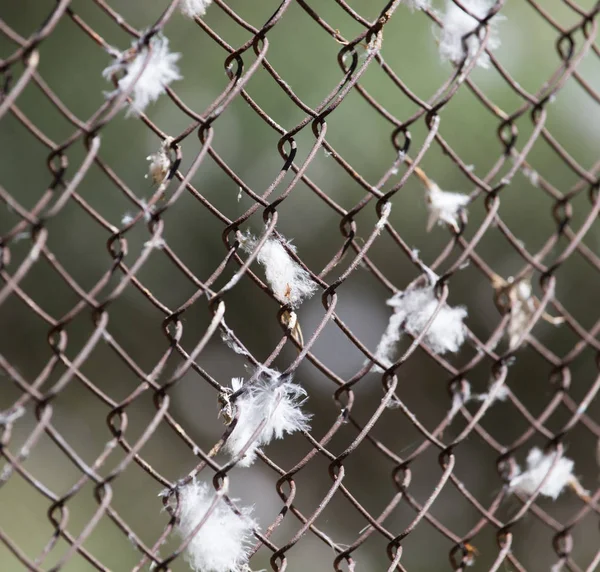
x=223, y=542
x=271, y=401
x=147, y=73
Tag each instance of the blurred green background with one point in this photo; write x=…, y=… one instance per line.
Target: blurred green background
x=306, y=57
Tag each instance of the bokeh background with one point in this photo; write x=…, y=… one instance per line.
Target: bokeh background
x=306, y=58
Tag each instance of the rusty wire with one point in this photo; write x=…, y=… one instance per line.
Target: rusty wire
x=20, y=69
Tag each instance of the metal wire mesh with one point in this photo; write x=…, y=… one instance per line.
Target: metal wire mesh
x=112, y=354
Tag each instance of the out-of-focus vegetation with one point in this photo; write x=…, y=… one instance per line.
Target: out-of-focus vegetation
x=306, y=57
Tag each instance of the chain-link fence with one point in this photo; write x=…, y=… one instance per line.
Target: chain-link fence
x=293, y=148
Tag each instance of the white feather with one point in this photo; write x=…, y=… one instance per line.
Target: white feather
x=417, y=305
x=290, y=283
x=126, y=219
x=276, y=402
x=456, y=24
x=387, y=344
x=154, y=76
x=193, y=8
x=418, y=4
x=222, y=543
x=463, y=394
x=412, y=310
x=538, y=466
x=444, y=207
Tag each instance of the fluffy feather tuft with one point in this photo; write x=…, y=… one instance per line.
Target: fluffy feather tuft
x=417, y=305
x=457, y=23
x=290, y=283
x=538, y=467
x=418, y=4
x=444, y=207
x=223, y=542
x=412, y=310
x=154, y=76
x=387, y=344
x=193, y=8
x=272, y=399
